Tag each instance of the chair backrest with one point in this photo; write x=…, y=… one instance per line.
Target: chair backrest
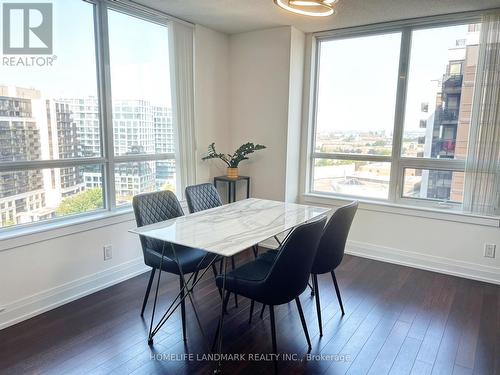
x=290, y=272
x=150, y=208
x=202, y=197
x=332, y=244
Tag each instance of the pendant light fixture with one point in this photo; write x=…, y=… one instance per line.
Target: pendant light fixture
x=315, y=8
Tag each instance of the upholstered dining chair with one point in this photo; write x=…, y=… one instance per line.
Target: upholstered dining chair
x=331, y=251
x=202, y=197
x=329, y=254
x=279, y=282
x=150, y=208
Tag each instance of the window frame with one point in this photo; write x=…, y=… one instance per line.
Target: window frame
x=398, y=162
x=107, y=159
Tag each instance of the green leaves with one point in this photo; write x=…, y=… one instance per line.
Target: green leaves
x=87, y=200
x=245, y=149
x=239, y=155
x=212, y=154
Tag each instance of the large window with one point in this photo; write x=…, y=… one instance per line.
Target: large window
x=77, y=134
x=392, y=113
x=142, y=114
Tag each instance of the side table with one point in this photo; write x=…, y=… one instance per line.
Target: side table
x=231, y=186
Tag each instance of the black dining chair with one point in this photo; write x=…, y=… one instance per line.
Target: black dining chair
x=150, y=208
x=331, y=251
x=202, y=197
x=279, y=282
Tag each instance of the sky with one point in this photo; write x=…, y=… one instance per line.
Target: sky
x=358, y=78
x=138, y=54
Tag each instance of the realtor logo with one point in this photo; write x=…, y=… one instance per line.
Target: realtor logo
x=27, y=28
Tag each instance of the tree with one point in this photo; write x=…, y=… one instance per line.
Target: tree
x=87, y=200
x=168, y=186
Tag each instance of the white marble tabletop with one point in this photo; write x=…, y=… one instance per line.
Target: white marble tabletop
x=228, y=230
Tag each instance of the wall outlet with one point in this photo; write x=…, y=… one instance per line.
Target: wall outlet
x=108, y=252
x=489, y=250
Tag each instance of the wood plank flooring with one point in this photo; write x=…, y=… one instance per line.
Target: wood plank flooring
x=398, y=320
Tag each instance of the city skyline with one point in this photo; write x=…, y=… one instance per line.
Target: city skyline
x=36, y=128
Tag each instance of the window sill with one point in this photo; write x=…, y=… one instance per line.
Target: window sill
x=44, y=231
x=398, y=209
x=17, y=237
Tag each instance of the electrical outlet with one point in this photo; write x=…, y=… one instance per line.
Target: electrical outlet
x=489, y=250
x=108, y=252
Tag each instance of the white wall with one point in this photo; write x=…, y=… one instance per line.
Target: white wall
x=297, y=49
x=35, y=278
x=438, y=245
x=265, y=95
x=211, y=98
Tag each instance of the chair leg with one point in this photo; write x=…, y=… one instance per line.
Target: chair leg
x=337, y=290
x=233, y=266
x=318, y=307
x=273, y=337
x=262, y=310
x=252, y=304
x=303, y=321
x=312, y=288
x=148, y=289
x=183, y=308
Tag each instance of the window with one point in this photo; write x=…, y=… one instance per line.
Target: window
x=56, y=159
x=142, y=114
x=351, y=120
x=397, y=131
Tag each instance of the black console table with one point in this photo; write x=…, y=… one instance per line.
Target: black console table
x=231, y=186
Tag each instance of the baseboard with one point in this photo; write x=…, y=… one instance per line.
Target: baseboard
x=424, y=261
x=39, y=303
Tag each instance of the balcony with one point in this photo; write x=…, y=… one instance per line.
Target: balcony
x=449, y=115
x=452, y=83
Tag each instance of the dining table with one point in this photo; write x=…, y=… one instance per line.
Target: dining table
x=225, y=231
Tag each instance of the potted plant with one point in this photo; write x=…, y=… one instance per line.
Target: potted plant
x=232, y=161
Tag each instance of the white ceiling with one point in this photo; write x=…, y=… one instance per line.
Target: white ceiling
x=236, y=16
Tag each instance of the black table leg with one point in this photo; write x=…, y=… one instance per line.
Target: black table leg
x=185, y=292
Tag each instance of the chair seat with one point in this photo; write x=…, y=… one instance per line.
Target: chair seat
x=245, y=279
x=189, y=258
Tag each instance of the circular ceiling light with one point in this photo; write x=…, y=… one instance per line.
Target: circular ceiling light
x=315, y=8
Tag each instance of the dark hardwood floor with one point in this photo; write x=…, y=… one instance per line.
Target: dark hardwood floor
x=398, y=320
